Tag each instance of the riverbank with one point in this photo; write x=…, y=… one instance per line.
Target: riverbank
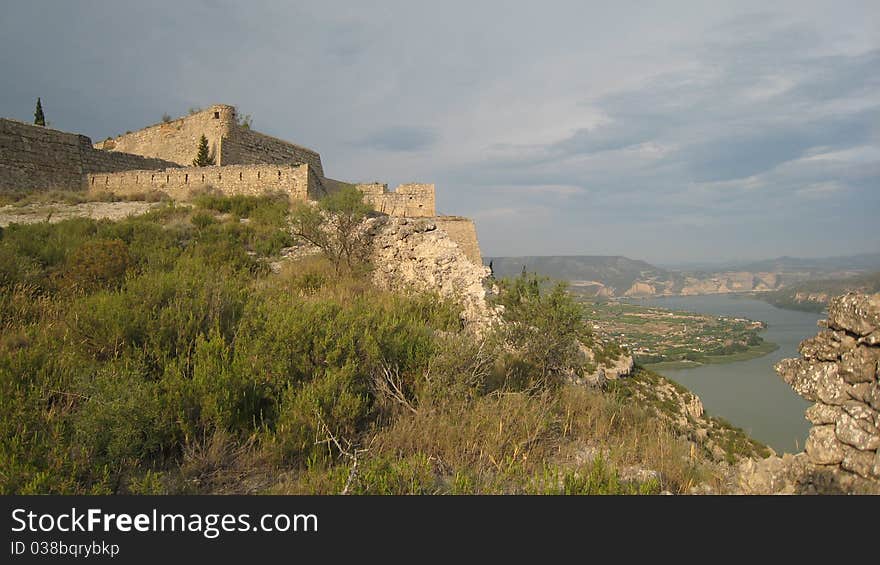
x=748, y=392
x=753, y=352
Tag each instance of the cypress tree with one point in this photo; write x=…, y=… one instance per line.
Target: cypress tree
x=203, y=158
x=39, y=118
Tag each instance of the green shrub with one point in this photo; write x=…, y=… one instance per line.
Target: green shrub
x=97, y=263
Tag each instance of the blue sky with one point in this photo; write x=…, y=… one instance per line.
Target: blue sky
x=673, y=131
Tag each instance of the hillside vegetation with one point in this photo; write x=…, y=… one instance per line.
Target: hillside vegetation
x=161, y=354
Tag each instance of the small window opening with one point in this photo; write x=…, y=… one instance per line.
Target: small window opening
x=219, y=176
x=167, y=178
x=203, y=177
x=216, y=115
x=106, y=180
x=279, y=175
x=186, y=178
x=239, y=175
x=258, y=175
x=93, y=181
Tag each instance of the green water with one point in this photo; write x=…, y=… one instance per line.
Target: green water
x=750, y=394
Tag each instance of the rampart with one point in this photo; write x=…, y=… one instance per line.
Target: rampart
x=229, y=143
x=463, y=232
x=39, y=158
x=297, y=181
x=244, y=146
x=408, y=200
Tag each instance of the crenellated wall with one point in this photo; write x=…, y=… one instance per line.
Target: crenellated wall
x=408, y=200
x=180, y=183
x=39, y=158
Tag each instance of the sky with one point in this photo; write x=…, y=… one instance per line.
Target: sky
x=666, y=131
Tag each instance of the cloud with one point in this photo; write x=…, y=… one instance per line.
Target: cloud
x=400, y=138
x=679, y=131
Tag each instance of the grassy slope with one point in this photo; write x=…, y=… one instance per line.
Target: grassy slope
x=161, y=355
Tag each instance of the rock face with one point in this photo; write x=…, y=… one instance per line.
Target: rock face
x=606, y=371
x=414, y=254
x=839, y=370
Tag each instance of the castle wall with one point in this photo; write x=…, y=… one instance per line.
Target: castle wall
x=409, y=200
x=244, y=146
x=39, y=158
x=229, y=143
x=462, y=231
x=250, y=180
x=178, y=140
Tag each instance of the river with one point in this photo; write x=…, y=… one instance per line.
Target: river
x=749, y=394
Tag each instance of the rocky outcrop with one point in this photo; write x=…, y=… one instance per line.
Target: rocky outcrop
x=839, y=371
x=414, y=254
x=605, y=371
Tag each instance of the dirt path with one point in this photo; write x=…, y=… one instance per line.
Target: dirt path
x=57, y=212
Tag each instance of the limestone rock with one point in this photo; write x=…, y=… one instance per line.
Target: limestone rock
x=857, y=426
x=413, y=254
x=694, y=407
x=772, y=475
x=827, y=346
x=839, y=372
x=814, y=380
x=823, y=414
x=858, y=462
x=860, y=365
x=822, y=446
x=856, y=313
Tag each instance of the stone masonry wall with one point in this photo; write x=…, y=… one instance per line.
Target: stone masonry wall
x=39, y=158
x=839, y=370
x=230, y=180
x=177, y=140
x=463, y=232
x=408, y=200
x=229, y=143
x=243, y=146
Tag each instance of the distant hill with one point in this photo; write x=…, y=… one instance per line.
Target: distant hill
x=615, y=276
x=813, y=296
x=861, y=262
x=607, y=275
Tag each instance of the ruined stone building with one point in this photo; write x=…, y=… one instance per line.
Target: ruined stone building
x=159, y=158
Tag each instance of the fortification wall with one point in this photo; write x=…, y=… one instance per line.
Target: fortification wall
x=230, y=144
x=243, y=146
x=179, y=183
x=462, y=231
x=34, y=157
x=408, y=200
x=178, y=140
x=38, y=158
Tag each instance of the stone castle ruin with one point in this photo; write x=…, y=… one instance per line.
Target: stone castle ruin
x=159, y=158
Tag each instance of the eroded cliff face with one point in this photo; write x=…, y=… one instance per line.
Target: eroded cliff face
x=839, y=371
x=414, y=254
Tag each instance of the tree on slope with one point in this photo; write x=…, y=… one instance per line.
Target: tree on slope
x=39, y=118
x=203, y=158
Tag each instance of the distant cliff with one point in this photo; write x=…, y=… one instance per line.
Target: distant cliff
x=616, y=276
